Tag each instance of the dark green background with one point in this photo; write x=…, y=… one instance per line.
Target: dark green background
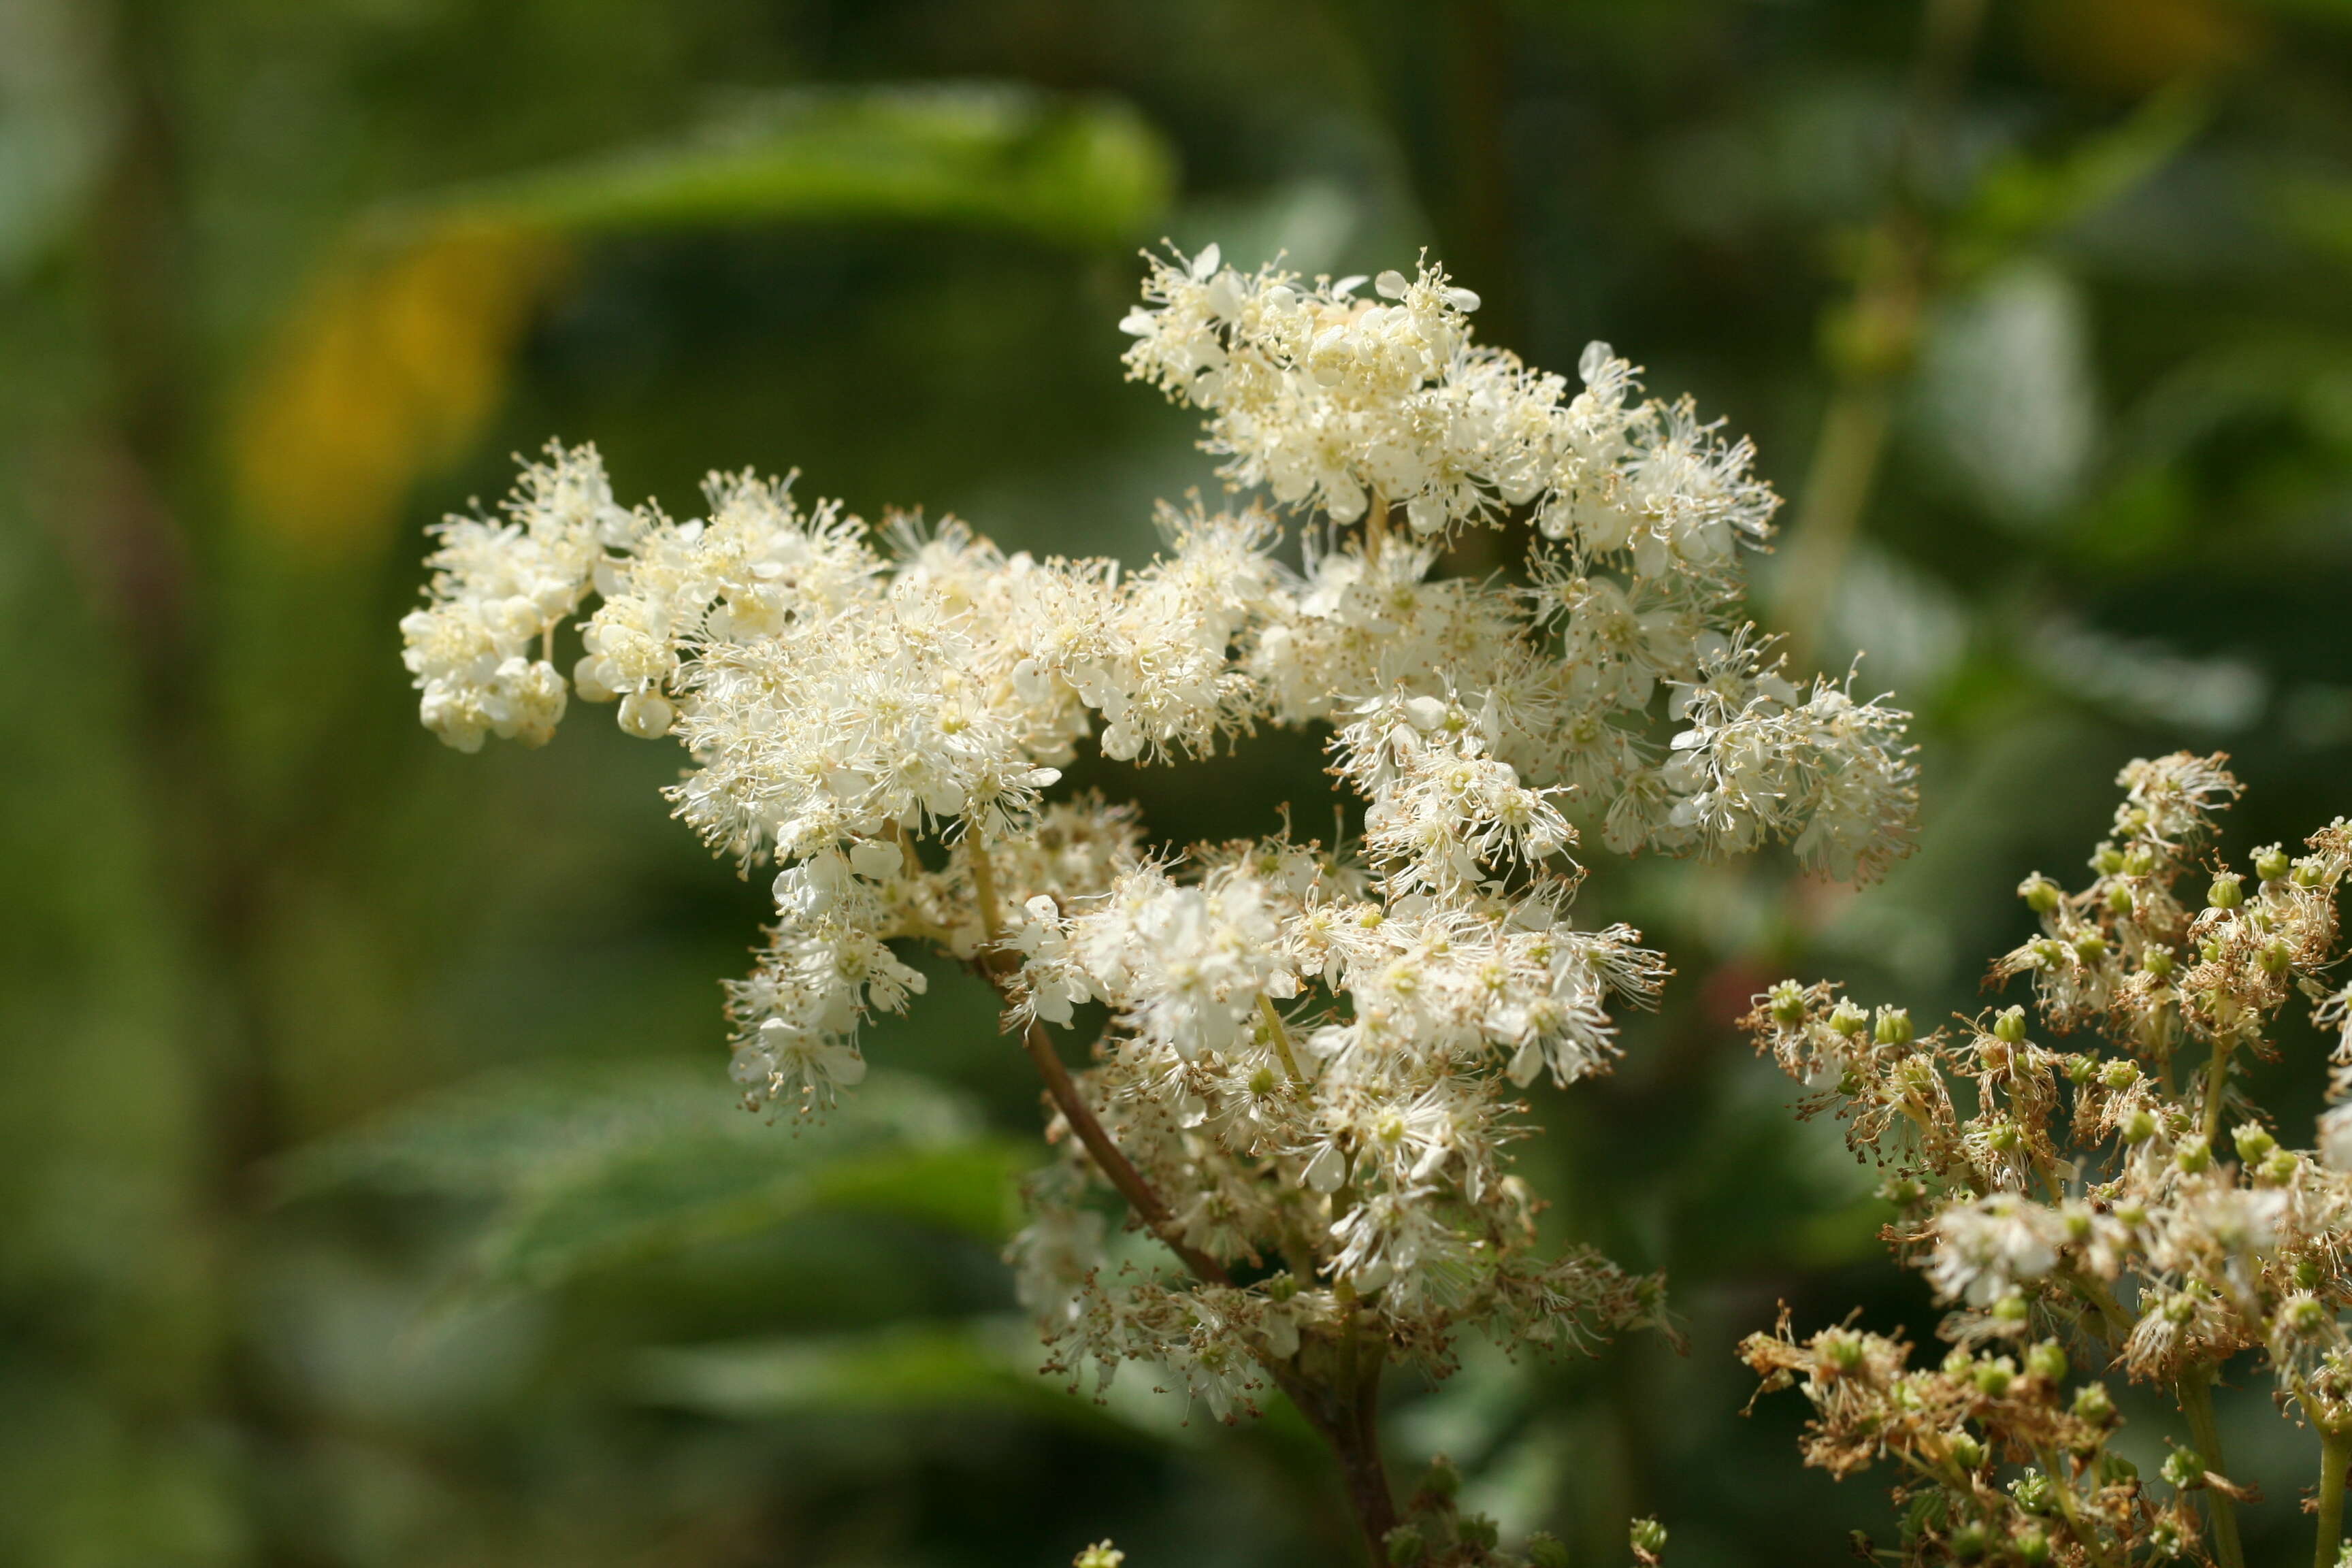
x=280, y=281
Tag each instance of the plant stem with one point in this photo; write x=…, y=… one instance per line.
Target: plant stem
x=1875, y=334
x=2216, y=1079
x=1281, y=1036
x=2335, y=1459
x=2086, y=1533
x=2195, y=1391
x=1346, y=1412
x=1116, y=1167
x=1837, y=491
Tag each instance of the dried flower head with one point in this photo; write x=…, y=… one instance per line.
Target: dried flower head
x=2123, y=1196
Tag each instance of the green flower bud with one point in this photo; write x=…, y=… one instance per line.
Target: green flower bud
x=1648, y=1537
x=2184, y=1468
x=2108, y=860
x=2090, y=947
x=2193, y=1155
x=2254, y=1142
x=2280, y=1168
x=2121, y=1073
x=2094, y=1404
x=2304, y=1316
x=2277, y=956
x=2138, y=1127
x=1993, y=1377
x=2309, y=873
x=2032, y=1548
x=1894, y=1026
x=1546, y=1551
x=2033, y=1492
x=1843, y=1351
x=1785, y=1004
x=1405, y=1546
x=2305, y=1274
x=1848, y=1019
x=1958, y=1362
x=2012, y=1307
x=2272, y=864
x=2119, y=898
x=2041, y=894
x=2138, y=860
x=2047, y=1361
x=2080, y=1071
x=1967, y=1452
x=2226, y=893
x=2009, y=1025
x=1968, y=1542
x=2156, y=960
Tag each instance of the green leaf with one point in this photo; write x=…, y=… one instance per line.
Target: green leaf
x=592, y=1168
x=640, y=1202
x=1084, y=170
x=988, y=1364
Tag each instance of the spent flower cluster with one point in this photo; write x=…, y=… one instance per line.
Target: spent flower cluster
x=2119, y=1195
x=1306, y=1083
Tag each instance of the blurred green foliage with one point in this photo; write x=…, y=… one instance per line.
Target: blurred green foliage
x=372, y=1194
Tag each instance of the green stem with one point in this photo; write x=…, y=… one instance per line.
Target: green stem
x=2335, y=1459
x=2086, y=1535
x=1837, y=490
x=2195, y=1391
x=1281, y=1038
x=2216, y=1079
x=2118, y=1321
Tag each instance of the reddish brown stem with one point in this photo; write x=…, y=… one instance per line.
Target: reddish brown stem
x=1346, y=1411
x=1348, y=1417
x=1114, y=1166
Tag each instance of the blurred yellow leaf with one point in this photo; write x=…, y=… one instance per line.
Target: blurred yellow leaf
x=393, y=362
x=397, y=356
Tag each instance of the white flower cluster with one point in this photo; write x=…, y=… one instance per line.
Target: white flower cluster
x=499, y=590
x=1307, y=1078
x=1339, y=403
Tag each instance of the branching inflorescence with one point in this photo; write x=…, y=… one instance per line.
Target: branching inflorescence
x=1307, y=1078
x=2120, y=1199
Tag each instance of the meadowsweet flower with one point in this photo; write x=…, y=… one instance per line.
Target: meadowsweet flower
x=1305, y=1078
